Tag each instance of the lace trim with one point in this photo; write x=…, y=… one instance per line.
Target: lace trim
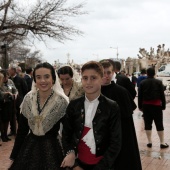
x=76, y=91
x=50, y=115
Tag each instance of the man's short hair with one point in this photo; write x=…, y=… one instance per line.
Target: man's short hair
x=106, y=64
x=93, y=65
x=150, y=72
x=143, y=71
x=117, y=65
x=28, y=70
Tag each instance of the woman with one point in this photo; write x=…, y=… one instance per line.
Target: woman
x=71, y=88
x=7, y=109
x=41, y=113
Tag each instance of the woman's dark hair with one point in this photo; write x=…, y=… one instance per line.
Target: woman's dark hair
x=93, y=65
x=65, y=70
x=47, y=66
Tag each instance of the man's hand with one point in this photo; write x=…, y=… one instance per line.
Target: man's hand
x=69, y=160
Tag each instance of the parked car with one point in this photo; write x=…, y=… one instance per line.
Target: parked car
x=164, y=71
x=163, y=74
x=136, y=74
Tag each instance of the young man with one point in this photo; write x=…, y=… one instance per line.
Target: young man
x=151, y=100
x=122, y=80
x=127, y=105
x=91, y=129
x=28, y=77
x=22, y=88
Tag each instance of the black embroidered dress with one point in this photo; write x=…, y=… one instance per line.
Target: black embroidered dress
x=37, y=146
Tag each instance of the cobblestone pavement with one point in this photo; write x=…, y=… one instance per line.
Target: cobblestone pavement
x=152, y=158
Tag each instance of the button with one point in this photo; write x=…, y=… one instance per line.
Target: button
x=94, y=123
x=98, y=148
x=95, y=131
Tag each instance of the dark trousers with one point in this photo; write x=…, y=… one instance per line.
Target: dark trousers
x=13, y=123
x=14, y=119
x=153, y=113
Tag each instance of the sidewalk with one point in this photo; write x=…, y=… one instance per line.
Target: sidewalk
x=152, y=158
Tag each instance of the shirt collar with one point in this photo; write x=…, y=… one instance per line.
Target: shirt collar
x=93, y=101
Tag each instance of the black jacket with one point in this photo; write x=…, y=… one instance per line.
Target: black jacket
x=22, y=88
x=28, y=80
x=121, y=96
x=106, y=127
x=124, y=81
x=151, y=89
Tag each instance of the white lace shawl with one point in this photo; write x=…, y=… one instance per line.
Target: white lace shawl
x=54, y=110
x=76, y=91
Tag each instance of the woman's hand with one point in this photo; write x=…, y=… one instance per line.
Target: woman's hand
x=69, y=160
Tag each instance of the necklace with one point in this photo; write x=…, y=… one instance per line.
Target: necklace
x=68, y=90
x=38, y=101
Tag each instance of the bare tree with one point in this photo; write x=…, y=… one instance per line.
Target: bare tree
x=24, y=54
x=45, y=18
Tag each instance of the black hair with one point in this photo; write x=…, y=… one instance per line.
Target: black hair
x=65, y=70
x=117, y=65
x=47, y=66
x=143, y=71
x=150, y=72
x=28, y=70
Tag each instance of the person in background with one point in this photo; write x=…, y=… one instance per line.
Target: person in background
x=19, y=71
x=151, y=100
x=22, y=88
x=142, y=76
x=1, y=103
x=123, y=72
x=129, y=140
x=71, y=88
x=122, y=80
x=28, y=77
x=36, y=145
x=134, y=80
x=7, y=109
x=3, y=95
x=92, y=127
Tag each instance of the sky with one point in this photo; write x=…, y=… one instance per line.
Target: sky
x=113, y=26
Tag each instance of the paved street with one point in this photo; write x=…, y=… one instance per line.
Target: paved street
x=152, y=159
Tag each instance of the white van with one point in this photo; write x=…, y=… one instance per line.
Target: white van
x=164, y=71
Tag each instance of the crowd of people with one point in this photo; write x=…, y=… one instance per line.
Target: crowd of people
x=59, y=123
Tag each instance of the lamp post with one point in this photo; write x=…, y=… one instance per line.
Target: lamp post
x=117, y=53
